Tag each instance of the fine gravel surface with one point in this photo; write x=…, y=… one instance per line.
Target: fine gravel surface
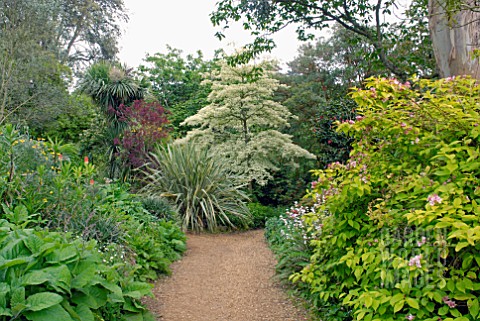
x=227, y=277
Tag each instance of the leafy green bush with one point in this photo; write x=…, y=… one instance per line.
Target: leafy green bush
x=41, y=187
x=400, y=220
x=156, y=245
x=50, y=276
x=260, y=214
x=160, y=207
x=25, y=165
x=205, y=191
x=116, y=216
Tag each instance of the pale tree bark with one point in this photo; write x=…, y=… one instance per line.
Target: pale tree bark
x=455, y=37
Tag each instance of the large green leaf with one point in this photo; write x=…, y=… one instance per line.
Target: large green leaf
x=5, y=312
x=17, y=301
x=13, y=246
x=53, y=313
x=43, y=300
x=34, y=244
x=137, y=290
x=58, y=277
x=85, y=272
x=85, y=313
x=93, y=297
x=35, y=277
x=4, y=264
x=116, y=294
x=65, y=254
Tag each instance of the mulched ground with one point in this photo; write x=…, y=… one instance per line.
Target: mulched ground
x=227, y=277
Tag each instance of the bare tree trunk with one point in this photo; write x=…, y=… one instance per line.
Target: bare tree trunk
x=455, y=37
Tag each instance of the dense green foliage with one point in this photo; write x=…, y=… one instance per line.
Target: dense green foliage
x=177, y=83
x=398, y=221
x=113, y=244
x=261, y=213
x=49, y=275
x=317, y=82
x=160, y=207
x=205, y=190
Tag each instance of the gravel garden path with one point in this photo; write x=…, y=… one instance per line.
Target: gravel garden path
x=227, y=277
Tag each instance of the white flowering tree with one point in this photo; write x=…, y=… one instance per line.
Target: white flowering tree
x=242, y=122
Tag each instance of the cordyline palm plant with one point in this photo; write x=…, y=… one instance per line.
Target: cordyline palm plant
x=207, y=194
x=111, y=85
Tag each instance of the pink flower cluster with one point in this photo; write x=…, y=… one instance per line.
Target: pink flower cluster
x=449, y=302
x=410, y=317
x=448, y=79
x=416, y=261
x=434, y=199
x=293, y=222
x=351, y=164
x=422, y=241
x=334, y=165
x=400, y=86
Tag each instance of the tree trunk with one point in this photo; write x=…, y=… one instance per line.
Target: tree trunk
x=455, y=39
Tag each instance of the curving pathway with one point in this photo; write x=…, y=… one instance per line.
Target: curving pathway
x=224, y=277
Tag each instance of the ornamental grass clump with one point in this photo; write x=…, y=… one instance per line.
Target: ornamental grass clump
x=403, y=234
x=201, y=184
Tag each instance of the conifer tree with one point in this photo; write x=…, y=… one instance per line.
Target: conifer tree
x=242, y=122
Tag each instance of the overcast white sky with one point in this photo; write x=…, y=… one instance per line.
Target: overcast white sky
x=185, y=24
